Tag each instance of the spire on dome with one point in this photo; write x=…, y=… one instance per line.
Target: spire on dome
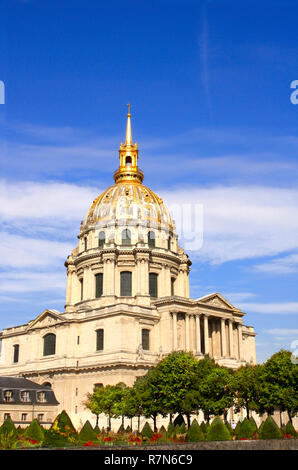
x=128, y=153
x=128, y=140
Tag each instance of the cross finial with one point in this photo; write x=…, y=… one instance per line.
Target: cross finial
x=129, y=106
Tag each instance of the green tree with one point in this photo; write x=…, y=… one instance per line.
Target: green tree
x=174, y=379
x=106, y=400
x=216, y=392
x=147, y=393
x=246, y=385
x=279, y=385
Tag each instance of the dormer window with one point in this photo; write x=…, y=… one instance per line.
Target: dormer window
x=8, y=394
x=41, y=397
x=25, y=396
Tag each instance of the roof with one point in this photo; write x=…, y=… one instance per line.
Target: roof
x=18, y=384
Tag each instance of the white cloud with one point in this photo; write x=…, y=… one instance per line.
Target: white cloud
x=49, y=202
x=241, y=222
x=274, y=308
x=20, y=252
x=238, y=296
x=284, y=265
x=282, y=332
x=31, y=281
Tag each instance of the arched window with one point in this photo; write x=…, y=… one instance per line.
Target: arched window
x=153, y=284
x=151, y=239
x=125, y=283
x=128, y=161
x=49, y=344
x=16, y=349
x=126, y=237
x=98, y=284
x=101, y=239
x=85, y=244
x=47, y=385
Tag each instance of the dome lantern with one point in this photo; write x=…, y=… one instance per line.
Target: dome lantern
x=128, y=154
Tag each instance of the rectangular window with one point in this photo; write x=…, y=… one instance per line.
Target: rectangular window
x=40, y=417
x=125, y=283
x=24, y=417
x=16, y=349
x=82, y=288
x=145, y=339
x=6, y=416
x=153, y=284
x=99, y=340
x=172, y=285
x=98, y=285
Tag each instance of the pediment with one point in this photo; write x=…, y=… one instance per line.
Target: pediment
x=46, y=318
x=217, y=300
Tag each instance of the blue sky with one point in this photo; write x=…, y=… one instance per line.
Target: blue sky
x=209, y=83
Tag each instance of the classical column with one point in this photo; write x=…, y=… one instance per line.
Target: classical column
x=174, y=314
x=206, y=334
x=231, y=345
x=240, y=341
x=198, y=333
x=187, y=342
x=223, y=337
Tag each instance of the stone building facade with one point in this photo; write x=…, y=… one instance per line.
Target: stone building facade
x=127, y=301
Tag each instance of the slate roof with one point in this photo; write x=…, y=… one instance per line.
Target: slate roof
x=19, y=384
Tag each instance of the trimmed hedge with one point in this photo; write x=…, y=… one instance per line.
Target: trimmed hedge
x=218, y=431
x=246, y=430
x=147, y=431
x=195, y=433
x=34, y=431
x=8, y=428
x=87, y=433
x=270, y=430
x=289, y=429
x=171, y=430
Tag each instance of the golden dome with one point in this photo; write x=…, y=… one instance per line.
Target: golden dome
x=128, y=199
x=129, y=202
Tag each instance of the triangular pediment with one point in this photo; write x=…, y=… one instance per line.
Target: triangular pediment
x=216, y=300
x=46, y=318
